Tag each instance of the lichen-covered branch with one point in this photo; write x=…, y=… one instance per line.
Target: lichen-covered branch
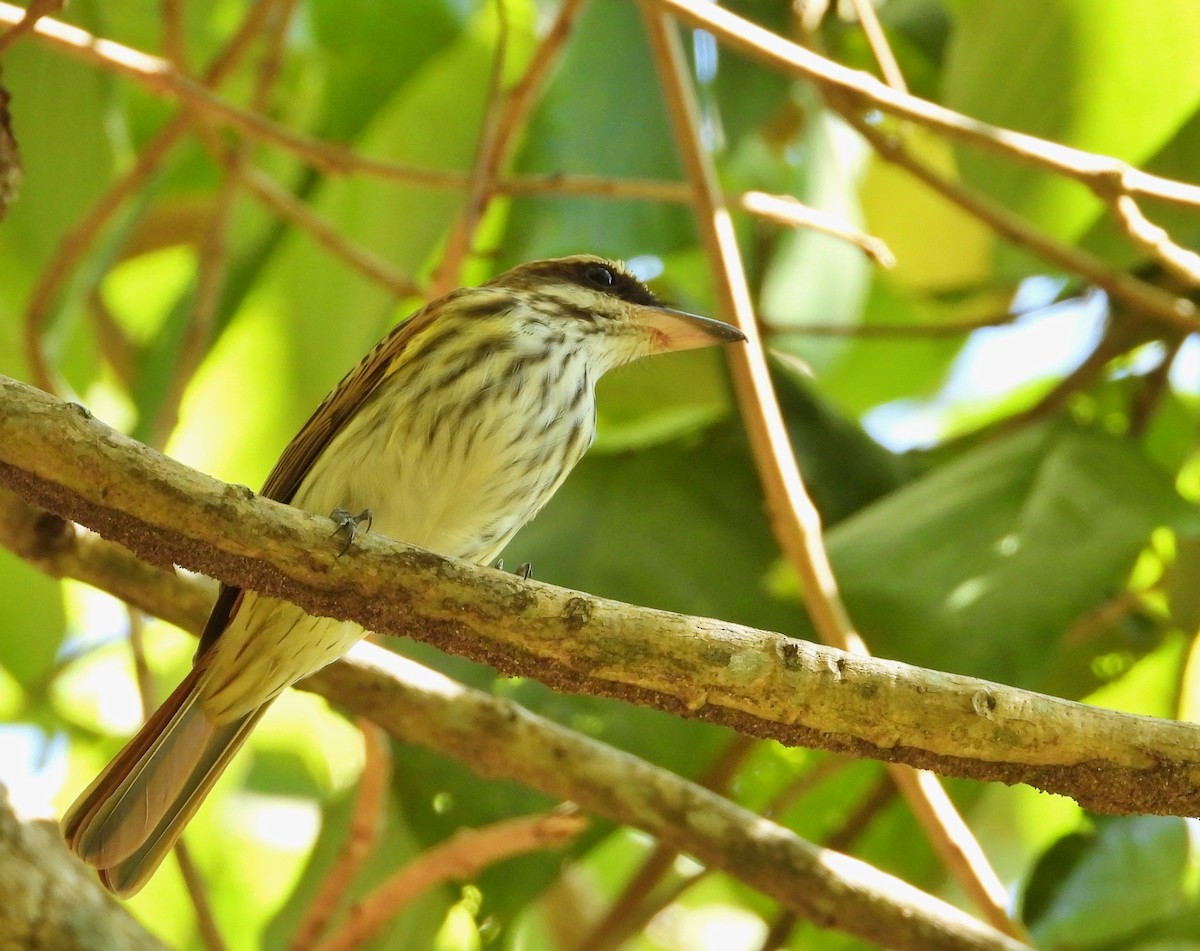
x=50, y=900
x=761, y=683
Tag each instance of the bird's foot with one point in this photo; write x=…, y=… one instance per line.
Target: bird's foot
x=347, y=525
x=524, y=571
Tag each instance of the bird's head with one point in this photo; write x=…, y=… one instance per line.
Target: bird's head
x=600, y=304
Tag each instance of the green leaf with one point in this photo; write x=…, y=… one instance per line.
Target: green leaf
x=980, y=566
x=367, y=49
x=414, y=927
x=602, y=114
x=844, y=469
x=1096, y=888
x=874, y=370
x=1118, y=78
x=813, y=278
x=32, y=618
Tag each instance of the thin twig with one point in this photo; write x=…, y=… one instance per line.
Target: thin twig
x=841, y=839
x=784, y=210
x=794, y=518
x=956, y=846
x=212, y=262
x=460, y=858
x=491, y=144
x=806, y=782
x=118, y=350
x=791, y=212
x=157, y=75
x=1146, y=298
x=505, y=116
x=174, y=33
x=779, y=933
x=80, y=238
x=1154, y=387
x=29, y=17
x=1105, y=616
x=287, y=206
x=206, y=922
x=1181, y=262
x=365, y=824
x=639, y=900
x=1108, y=177
x=868, y=19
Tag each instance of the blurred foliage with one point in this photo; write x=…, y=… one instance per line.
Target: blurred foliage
x=973, y=527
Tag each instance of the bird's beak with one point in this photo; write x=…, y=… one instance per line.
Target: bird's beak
x=672, y=330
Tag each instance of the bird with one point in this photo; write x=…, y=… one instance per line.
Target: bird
x=450, y=434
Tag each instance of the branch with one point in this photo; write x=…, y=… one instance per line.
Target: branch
x=794, y=518
x=159, y=77
x=51, y=900
x=760, y=683
x=419, y=706
x=1105, y=175
x=459, y=858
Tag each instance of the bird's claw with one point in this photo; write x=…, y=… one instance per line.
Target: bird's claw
x=347, y=524
x=524, y=571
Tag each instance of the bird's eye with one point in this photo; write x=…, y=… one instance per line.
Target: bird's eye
x=600, y=276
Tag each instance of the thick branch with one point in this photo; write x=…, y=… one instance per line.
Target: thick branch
x=51, y=901
x=416, y=705
x=830, y=889
x=760, y=683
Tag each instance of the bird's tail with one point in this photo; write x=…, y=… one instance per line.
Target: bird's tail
x=126, y=821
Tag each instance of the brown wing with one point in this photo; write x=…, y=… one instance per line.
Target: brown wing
x=328, y=419
x=315, y=435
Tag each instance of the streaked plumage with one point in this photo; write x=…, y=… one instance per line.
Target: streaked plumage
x=454, y=430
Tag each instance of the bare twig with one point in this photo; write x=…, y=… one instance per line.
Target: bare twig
x=365, y=824
x=794, y=517
x=158, y=76
x=174, y=33
x=1106, y=176
x=213, y=254
x=1146, y=298
x=782, y=210
x=1155, y=385
x=1181, y=262
x=639, y=900
x=791, y=212
x=206, y=922
x=120, y=352
x=868, y=19
x=211, y=264
x=779, y=932
x=34, y=12
x=463, y=856
x=80, y=238
x=504, y=119
x=286, y=205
